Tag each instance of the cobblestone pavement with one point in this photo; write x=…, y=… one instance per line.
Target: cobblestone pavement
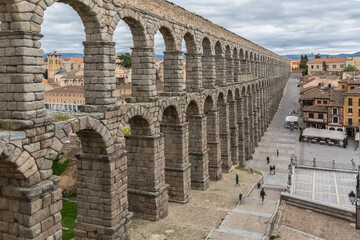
x=325, y=186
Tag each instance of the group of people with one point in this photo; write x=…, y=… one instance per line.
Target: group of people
x=272, y=167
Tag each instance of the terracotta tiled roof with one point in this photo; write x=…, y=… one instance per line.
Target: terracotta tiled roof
x=68, y=89
x=315, y=108
x=315, y=93
x=355, y=91
x=337, y=98
x=328, y=60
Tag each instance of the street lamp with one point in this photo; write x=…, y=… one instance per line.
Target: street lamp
x=355, y=198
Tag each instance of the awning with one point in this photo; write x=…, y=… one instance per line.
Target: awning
x=292, y=119
x=323, y=133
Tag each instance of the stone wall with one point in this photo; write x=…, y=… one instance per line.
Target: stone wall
x=179, y=140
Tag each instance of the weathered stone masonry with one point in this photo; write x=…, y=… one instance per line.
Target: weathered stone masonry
x=179, y=141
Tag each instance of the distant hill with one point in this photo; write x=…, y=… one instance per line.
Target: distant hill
x=311, y=56
x=66, y=55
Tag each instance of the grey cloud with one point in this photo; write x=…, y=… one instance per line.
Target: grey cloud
x=283, y=26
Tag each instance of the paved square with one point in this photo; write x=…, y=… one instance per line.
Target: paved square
x=329, y=187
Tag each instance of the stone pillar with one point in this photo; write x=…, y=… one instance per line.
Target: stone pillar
x=236, y=69
x=209, y=71
x=229, y=70
x=143, y=74
x=102, y=197
x=31, y=212
x=220, y=69
x=251, y=124
x=177, y=166
x=244, y=66
x=21, y=74
x=234, y=137
x=225, y=138
x=99, y=80
x=193, y=72
x=147, y=191
x=198, y=152
x=241, y=131
x=214, y=145
x=173, y=73
x=247, y=135
x=255, y=120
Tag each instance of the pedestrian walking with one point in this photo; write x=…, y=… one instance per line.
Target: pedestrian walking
x=240, y=198
x=271, y=168
x=262, y=194
x=267, y=160
x=274, y=169
x=237, y=180
x=258, y=185
x=277, y=153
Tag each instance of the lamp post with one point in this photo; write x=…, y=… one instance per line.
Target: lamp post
x=355, y=198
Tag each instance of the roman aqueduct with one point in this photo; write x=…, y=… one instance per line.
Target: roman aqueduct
x=180, y=140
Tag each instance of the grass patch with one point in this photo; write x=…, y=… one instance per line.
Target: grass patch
x=248, y=170
x=273, y=236
x=69, y=215
x=59, y=117
x=58, y=168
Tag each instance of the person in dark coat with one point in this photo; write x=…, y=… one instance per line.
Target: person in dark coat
x=267, y=160
x=262, y=194
x=271, y=168
x=274, y=169
x=277, y=153
x=237, y=180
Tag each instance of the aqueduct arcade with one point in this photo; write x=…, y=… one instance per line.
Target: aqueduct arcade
x=180, y=140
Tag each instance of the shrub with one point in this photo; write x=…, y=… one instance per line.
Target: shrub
x=58, y=168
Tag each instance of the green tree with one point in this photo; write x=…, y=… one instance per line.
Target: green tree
x=303, y=64
x=317, y=56
x=324, y=66
x=46, y=75
x=125, y=60
x=350, y=68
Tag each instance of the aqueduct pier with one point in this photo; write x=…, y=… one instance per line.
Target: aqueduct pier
x=180, y=140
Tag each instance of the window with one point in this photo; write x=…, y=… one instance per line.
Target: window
x=335, y=111
x=321, y=116
x=350, y=110
x=342, y=65
x=335, y=120
x=325, y=102
x=350, y=122
x=334, y=65
x=312, y=66
x=352, y=87
x=343, y=86
x=350, y=101
x=318, y=101
x=311, y=115
x=317, y=66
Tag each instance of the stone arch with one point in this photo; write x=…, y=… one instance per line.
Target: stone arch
x=89, y=13
x=197, y=145
x=177, y=167
x=147, y=192
x=167, y=103
x=197, y=100
x=208, y=64
x=142, y=113
x=229, y=64
x=220, y=64
x=193, y=73
x=168, y=35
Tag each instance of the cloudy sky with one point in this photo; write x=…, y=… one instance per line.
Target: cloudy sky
x=283, y=26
